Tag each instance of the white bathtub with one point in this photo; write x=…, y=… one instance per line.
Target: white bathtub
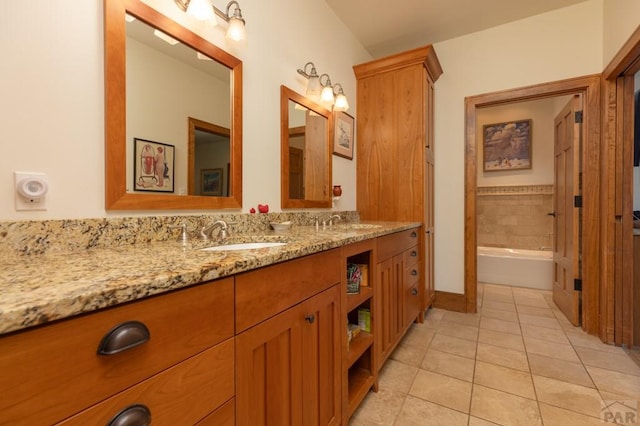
x=516, y=267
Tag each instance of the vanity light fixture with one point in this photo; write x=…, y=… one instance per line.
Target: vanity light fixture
x=341, y=103
x=313, y=85
x=203, y=10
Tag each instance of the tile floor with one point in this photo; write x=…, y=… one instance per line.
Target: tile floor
x=516, y=362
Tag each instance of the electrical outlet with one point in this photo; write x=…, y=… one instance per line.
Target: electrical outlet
x=31, y=190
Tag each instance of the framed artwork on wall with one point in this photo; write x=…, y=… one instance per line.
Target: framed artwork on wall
x=507, y=145
x=211, y=182
x=153, y=166
x=343, y=133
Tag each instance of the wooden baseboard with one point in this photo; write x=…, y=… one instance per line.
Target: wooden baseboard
x=450, y=301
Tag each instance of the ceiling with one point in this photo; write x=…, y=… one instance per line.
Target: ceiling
x=385, y=27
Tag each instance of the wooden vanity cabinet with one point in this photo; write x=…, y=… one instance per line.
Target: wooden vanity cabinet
x=396, y=163
x=53, y=372
x=288, y=350
x=397, y=296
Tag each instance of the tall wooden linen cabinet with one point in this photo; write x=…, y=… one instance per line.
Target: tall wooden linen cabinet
x=395, y=147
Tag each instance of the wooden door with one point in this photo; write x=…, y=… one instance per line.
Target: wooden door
x=269, y=371
x=321, y=360
x=566, y=224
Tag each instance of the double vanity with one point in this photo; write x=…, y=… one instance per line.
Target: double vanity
x=183, y=334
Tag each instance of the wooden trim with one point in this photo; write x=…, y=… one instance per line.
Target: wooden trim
x=450, y=301
x=625, y=57
x=425, y=55
x=589, y=87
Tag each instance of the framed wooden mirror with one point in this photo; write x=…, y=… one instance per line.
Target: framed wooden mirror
x=165, y=120
x=305, y=152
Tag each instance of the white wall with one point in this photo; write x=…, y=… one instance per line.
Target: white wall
x=52, y=102
x=534, y=50
x=620, y=18
x=542, y=113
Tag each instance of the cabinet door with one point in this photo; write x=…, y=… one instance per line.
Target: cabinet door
x=269, y=371
x=321, y=360
x=288, y=367
x=389, y=299
x=429, y=179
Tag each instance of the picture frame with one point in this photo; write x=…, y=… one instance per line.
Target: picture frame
x=153, y=166
x=211, y=182
x=343, y=134
x=507, y=145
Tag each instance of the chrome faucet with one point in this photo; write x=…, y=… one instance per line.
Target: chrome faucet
x=207, y=231
x=336, y=217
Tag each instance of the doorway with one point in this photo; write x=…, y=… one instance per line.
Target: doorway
x=589, y=89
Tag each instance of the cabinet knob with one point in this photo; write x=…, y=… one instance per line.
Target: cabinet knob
x=428, y=231
x=414, y=234
x=133, y=415
x=414, y=253
x=414, y=292
x=414, y=272
x=124, y=336
x=310, y=318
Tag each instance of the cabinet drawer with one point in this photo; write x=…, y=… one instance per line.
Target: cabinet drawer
x=54, y=371
x=183, y=394
x=412, y=274
x=392, y=244
x=223, y=416
x=412, y=256
x=263, y=293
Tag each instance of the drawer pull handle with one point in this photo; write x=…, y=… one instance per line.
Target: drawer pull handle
x=310, y=318
x=414, y=234
x=414, y=253
x=123, y=337
x=414, y=272
x=133, y=415
x=414, y=292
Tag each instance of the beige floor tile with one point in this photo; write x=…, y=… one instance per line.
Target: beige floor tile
x=554, y=416
x=503, y=408
x=458, y=330
x=502, y=356
x=609, y=361
x=504, y=379
x=454, y=345
x=498, y=314
x=615, y=382
x=619, y=412
x=416, y=411
x=499, y=306
x=572, y=397
x=397, y=376
x=493, y=297
x=443, y=390
x=551, y=349
x=449, y=365
x=378, y=408
x=475, y=421
x=409, y=354
x=539, y=321
x=419, y=335
x=535, y=301
x=500, y=325
x=532, y=310
x=461, y=318
x=584, y=340
x=498, y=338
x=435, y=313
x=497, y=288
x=551, y=334
x=561, y=370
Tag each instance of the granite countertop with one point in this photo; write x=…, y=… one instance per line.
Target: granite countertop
x=37, y=289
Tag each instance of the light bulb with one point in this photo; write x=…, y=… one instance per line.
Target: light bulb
x=341, y=103
x=202, y=10
x=236, y=31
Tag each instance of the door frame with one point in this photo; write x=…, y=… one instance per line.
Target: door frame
x=589, y=88
x=617, y=325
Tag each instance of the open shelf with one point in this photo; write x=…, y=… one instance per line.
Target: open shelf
x=355, y=300
x=358, y=346
x=360, y=381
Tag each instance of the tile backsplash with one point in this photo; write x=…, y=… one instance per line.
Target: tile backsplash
x=515, y=216
x=39, y=237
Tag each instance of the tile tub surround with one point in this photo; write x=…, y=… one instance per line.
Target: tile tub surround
x=38, y=288
x=515, y=216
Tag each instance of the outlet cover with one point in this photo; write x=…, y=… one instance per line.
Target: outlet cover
x=24, y=203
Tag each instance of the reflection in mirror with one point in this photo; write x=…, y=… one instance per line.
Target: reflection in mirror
x=168, y=85
x=209, y=167
x=305, y=152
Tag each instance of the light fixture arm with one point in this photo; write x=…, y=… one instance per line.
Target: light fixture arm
x=237, y=13
x=340, y=91
x=303, y=71
x=327, y=82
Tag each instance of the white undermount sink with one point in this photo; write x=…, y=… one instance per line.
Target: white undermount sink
x=243, y=246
